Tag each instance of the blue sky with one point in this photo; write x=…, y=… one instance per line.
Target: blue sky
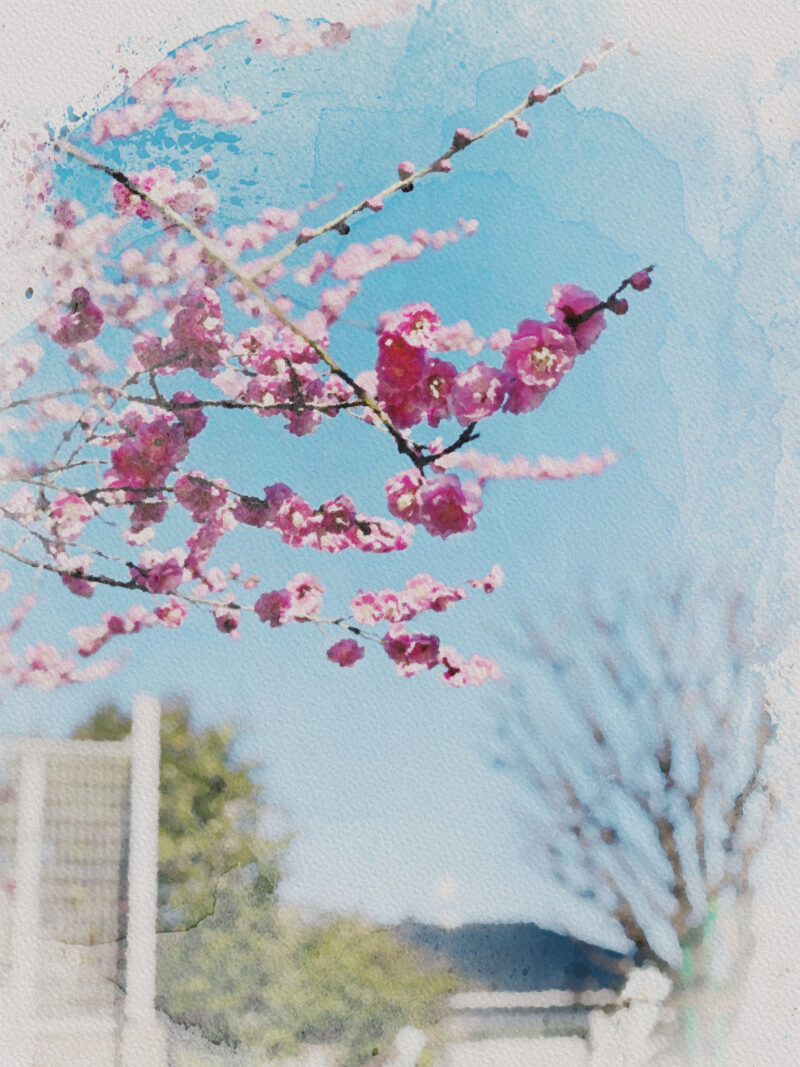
x=389, y=782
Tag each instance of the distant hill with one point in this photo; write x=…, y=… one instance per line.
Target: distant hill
x=520, y=957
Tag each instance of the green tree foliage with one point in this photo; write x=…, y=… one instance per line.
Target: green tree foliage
x=252, y=975
x=208, y=813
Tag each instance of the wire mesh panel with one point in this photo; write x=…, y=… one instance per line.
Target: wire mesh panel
x=82, y=896
x=64, y=828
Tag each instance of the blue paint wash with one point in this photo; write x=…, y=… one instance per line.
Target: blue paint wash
x=389, y=781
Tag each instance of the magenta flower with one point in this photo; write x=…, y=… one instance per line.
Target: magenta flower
x=273, y=607
x=540, y=354
x=411, y=653
x=402, y=495
x=477, y=393
x=68, y=515
x=569, y=301
x=159, y=572
x=439, y=378
x=523, y=398
x=641, y=280
x=447, y=507
x=346, y=652
x=83, y=322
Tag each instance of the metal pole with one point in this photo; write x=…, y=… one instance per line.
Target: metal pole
x=143, y=1040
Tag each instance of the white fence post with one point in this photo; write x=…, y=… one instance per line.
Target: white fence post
x=17, y=1048
x=143, y=1039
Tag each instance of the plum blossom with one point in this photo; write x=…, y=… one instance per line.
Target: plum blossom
x=477, y=393
x=68, y=515
x=346, y=652
x=411, y=653
x=491, y=581
x=300, y=601
x=540, y=354
x=569, y=301
x=159, y=572
x=83, y=321
x=447, y=507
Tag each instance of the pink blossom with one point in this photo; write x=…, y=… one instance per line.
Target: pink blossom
x=46, y=667
x=437, y=385
x=197, y=338
x=401, y=371
x=124, y=121
x=89, y=639
x=147, y=458
x=493, y=580
x=191, y=104
x=474, y=671
x=18, y=365
x=319, y=264
x=73, y=569
x=171, y=614
x=523, y=398
x=539, y=94
x=411, y=653
x=477, y=393
x=385, y=606
x=274, y=607
x=447, y=507
x=201, y=497
x=425, y=593
x=402, y=494
x=227, y=619
x=159, y=572
x=306, y=596
x=68, y=515
x=418, y=325
x=346, y=652
x=300, y=601
x=405, y=168
x=540, y=354
x=569, y=301
x=83, y=322
x=192, y=419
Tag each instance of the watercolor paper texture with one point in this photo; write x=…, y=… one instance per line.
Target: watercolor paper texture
x=666, y=460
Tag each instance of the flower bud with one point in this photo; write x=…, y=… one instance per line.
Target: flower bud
x=640, y=280
x=461, y=138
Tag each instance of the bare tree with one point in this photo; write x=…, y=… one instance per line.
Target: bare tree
x=643, y=756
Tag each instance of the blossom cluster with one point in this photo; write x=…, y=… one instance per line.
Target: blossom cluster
x=191, y=197
x=412, y=385
x=40, y=665
x=301, y=601
x=159, y=283
x=547, y=468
